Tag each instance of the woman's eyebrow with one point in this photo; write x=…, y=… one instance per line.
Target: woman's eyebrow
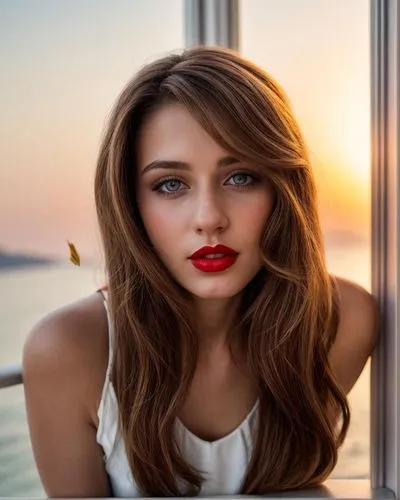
x=181, y=165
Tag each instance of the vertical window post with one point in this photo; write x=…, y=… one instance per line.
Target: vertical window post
x=385, y=368
x=210, y=22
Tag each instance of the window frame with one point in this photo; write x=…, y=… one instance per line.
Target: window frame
x=385, y=271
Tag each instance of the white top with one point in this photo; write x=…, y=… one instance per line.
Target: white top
x=223, y=461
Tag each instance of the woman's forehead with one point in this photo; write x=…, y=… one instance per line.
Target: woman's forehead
x=172, y=133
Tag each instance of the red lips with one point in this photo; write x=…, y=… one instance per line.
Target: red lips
x=217, y=249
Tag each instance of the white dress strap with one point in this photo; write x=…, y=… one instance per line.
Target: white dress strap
x=110, y=331
x=106, y=412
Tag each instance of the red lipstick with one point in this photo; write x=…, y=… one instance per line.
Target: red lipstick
x=224, y=259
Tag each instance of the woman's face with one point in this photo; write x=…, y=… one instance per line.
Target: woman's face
x=208, y=199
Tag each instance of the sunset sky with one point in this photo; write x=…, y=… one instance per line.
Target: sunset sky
x=64, y=62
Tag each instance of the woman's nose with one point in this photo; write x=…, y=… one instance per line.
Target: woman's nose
x=210, y=215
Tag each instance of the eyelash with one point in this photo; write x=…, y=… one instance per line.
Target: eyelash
x=157, y=187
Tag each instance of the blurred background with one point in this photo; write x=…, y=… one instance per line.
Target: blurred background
x=63, y=63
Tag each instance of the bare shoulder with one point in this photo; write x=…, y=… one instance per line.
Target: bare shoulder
x=71, y=343
x=64, y=364
x=357, y=332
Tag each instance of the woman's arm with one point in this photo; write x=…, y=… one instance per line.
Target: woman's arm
x=59, y=381
x=357, y=333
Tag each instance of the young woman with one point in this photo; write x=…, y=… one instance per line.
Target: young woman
x=217, y=358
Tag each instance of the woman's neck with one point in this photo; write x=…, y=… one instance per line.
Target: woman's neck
x=214, y=319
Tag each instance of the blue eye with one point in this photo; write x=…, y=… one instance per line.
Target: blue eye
x=241, y=175
x=170, y=181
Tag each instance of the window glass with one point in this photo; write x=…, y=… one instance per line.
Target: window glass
x=319, y=52
x=62, y=65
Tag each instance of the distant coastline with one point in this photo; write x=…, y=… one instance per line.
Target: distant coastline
x=10, y=260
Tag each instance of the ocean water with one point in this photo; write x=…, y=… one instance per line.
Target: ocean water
x=26, y=295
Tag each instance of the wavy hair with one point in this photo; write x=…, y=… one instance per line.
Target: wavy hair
x=289, y=313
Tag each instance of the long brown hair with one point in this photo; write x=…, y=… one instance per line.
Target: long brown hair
x=289, y=313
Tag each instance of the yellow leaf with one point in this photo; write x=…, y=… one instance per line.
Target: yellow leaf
x=74, y=255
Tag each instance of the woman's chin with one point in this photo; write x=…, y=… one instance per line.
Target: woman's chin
x=215, y=292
